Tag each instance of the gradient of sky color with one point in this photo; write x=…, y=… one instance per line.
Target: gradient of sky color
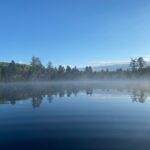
x=74, y=32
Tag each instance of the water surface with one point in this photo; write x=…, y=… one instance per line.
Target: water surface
x=74, y=116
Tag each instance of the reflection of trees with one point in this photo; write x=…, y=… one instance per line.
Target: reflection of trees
x=69, y=93
x=13, y=93
x=89, y=91
x=61, y=93
x=138, y=95
x=36, y=101
x=50, y=97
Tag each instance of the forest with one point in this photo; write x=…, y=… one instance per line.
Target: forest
x=36, y=71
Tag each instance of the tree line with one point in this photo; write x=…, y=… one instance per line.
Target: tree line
x=37, y=71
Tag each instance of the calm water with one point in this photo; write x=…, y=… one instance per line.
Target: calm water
x=68, y=117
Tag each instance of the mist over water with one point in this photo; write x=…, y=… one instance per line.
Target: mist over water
x=37, y=91
x=75, y=115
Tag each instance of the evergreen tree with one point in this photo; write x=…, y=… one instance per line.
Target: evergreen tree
x=37, y=68
x=133, y=65
x=61, y=71
x=141, y=63
x=50, y=71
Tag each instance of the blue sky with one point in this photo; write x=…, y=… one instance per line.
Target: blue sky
x=74, y=32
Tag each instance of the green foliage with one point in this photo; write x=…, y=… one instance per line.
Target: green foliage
x=141, y=63
x=36, y=71
x=137, y=64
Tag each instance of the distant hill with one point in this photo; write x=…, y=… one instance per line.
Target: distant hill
x=113, y=67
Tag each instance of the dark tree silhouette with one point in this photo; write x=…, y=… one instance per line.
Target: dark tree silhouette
x=141, y=63
x=36, y=71
x=133, y=65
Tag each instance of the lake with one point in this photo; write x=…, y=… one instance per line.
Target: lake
x=77, y=116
